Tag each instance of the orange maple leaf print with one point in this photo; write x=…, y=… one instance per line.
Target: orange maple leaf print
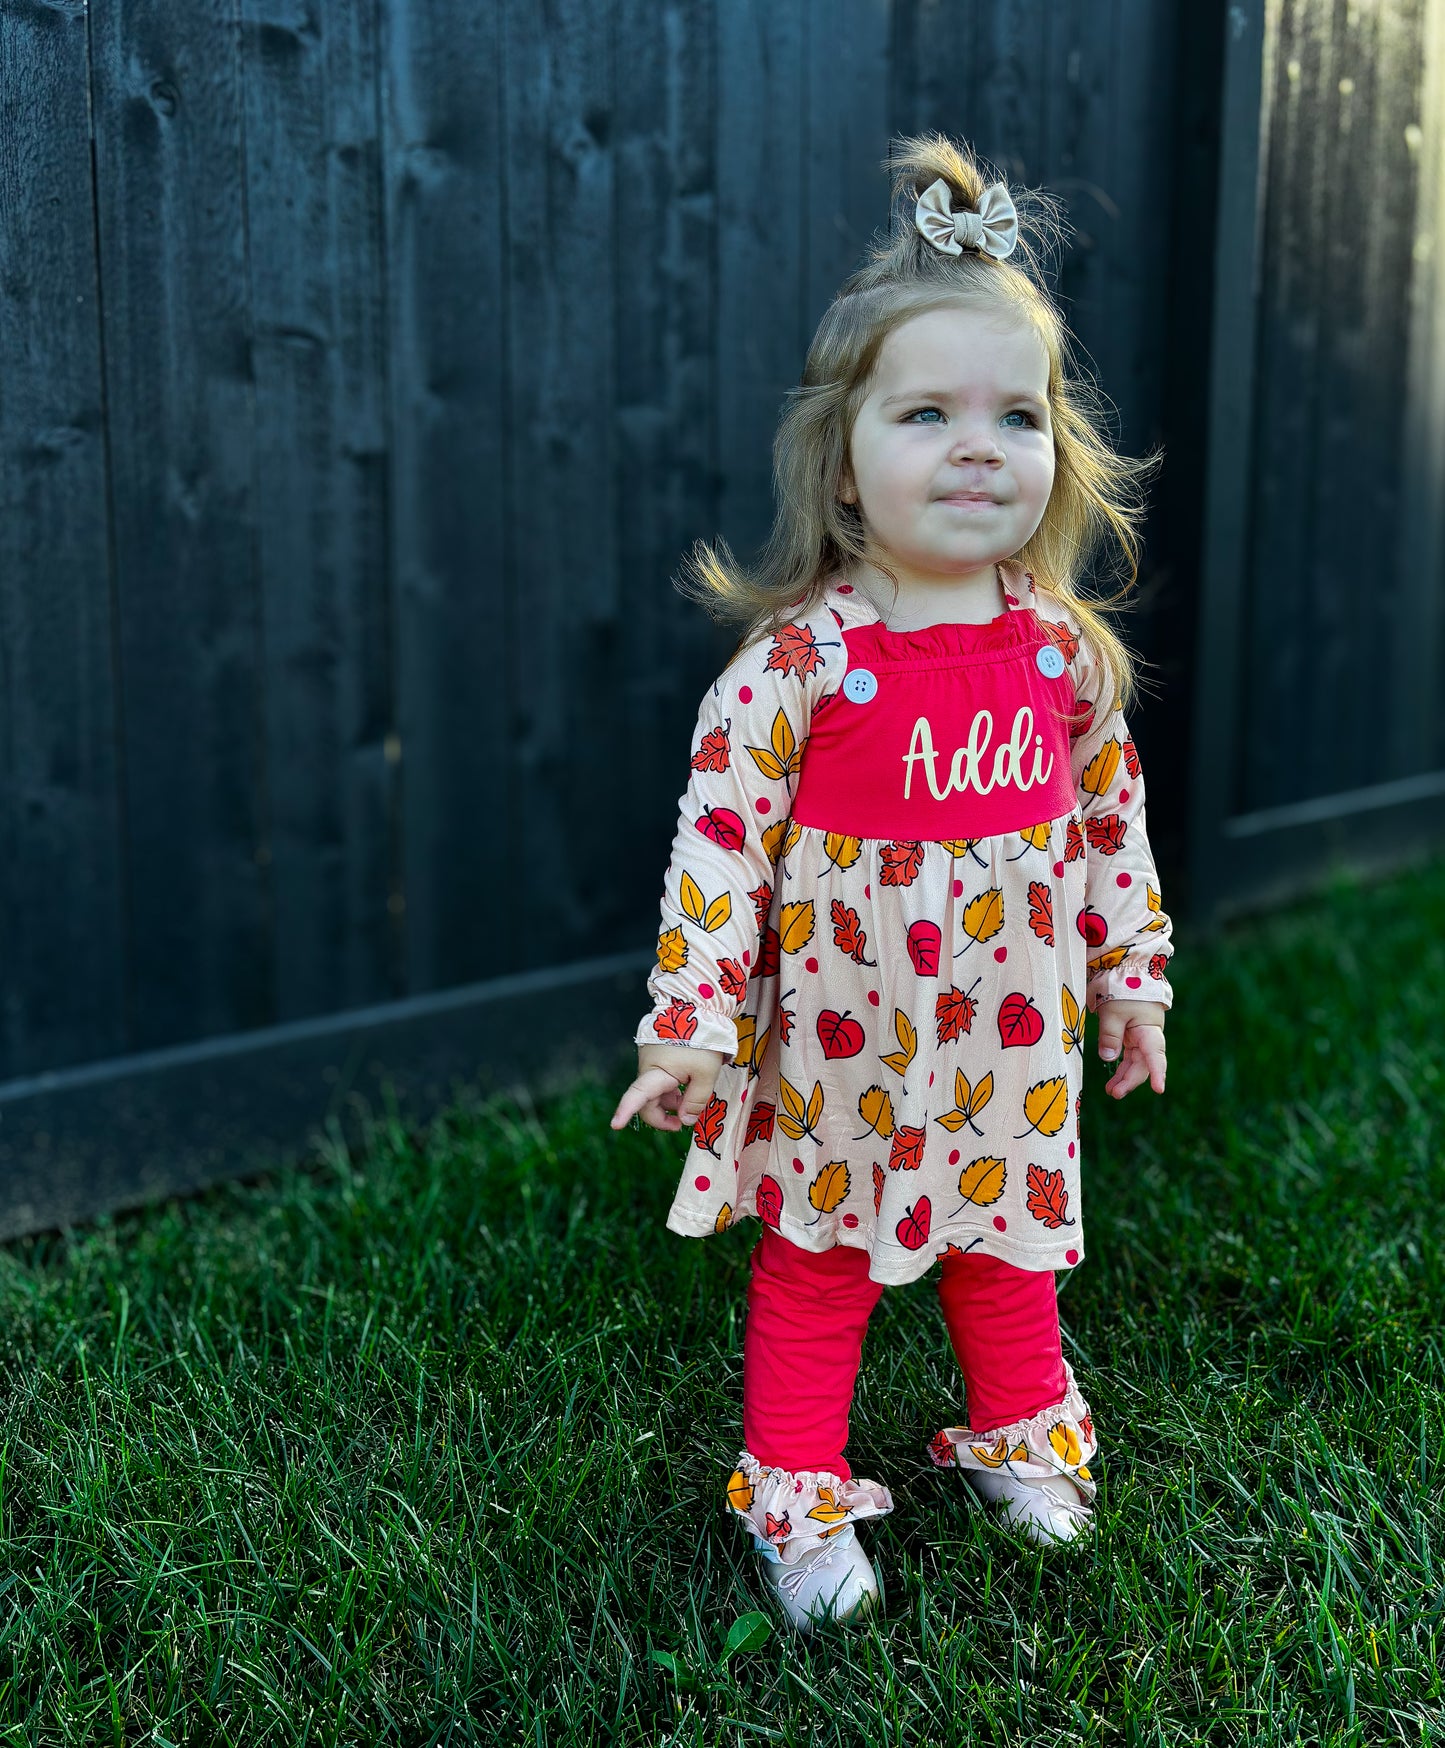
x=795, y=651
x=848, y=937
x=954, y=1013
x=732, y=977
x=708, y=1127
x=712, y=753
x=1062, y=636
x=760, y=1122
x=1048, y=1200
x=907, y=1150
x=1073, y=841
x=1041, y=911
x=762, y=900
x=1131, y=758
x=900, y=864
x=678, y=1020
x=1106, y=833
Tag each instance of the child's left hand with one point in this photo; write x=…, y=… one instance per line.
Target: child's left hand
x=1136, y=1028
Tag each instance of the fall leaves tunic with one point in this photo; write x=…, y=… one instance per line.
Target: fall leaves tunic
x=906, y=863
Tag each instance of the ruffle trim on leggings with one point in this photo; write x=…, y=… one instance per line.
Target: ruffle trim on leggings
x=1055, y=1441
x=796, y=1510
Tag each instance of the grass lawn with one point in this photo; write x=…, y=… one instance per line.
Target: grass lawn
x=428, y=1446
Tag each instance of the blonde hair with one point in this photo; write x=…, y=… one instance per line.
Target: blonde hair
x=1097, y=498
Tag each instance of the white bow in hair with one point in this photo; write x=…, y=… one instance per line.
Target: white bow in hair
x=994, y=228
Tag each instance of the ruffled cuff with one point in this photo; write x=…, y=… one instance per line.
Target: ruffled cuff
x=1055, y=1441
x=1139, y=976
x=686, y=1022
x=796, y=1510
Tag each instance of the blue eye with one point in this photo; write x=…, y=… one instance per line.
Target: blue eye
x=1017, y=413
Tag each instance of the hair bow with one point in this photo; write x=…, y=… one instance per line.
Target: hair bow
x=994, y=228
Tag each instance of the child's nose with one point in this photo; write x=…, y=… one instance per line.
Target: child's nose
x=978, y=443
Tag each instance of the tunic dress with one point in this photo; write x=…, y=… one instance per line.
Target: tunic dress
x=906, y=865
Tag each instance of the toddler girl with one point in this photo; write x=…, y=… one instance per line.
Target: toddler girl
x=911, y=856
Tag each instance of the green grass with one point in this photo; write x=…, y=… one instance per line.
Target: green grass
x=427, y=1446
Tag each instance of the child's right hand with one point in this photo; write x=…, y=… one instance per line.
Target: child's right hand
x=672, y=1086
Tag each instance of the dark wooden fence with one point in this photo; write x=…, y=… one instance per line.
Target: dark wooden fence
x=366, y=368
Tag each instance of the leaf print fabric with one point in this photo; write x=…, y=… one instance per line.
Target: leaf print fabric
x=902, y=1015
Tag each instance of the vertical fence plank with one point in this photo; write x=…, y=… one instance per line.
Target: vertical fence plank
x=444, y=98
x=62, y=968
x=313, y=204
x=179, y=383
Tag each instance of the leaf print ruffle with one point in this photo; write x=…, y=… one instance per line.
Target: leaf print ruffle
x=1055, y=1441
x=798, y=1510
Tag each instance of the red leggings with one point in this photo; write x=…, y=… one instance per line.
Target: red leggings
x=807, y=1313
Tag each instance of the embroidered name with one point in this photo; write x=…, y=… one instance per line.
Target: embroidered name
x=967, y=769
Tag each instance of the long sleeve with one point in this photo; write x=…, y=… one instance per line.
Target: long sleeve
x=1128, y=932
x=733, y=826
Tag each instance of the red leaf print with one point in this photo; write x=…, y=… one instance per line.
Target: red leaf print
x=762, y=897
x=847, y=936
x=795, y=651
x=723, y=826
x=877, y=1187
x=906, y=1153
x=913, y=1227
x=1019, y=1022
x=1106, y=833
x=1084, y=721
x=1157, y=964
x=768, y=960
x=760, y=1123
x=732, y=977
x=1062, y=636
x=839, y=1036
x=779, y=1528
x=678, y=1020
x=786, y=1017
x=1073, y=841
x=954, y=1013
x=770, y=1202
x=709, y=1125
x=1041, y=911
x=1131, y=758
x=712, y=753
x=924, y=940
x=1092, y=926
x=1048, y=1200
x=899, y=864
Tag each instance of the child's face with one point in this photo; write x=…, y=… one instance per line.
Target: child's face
x=958, y=406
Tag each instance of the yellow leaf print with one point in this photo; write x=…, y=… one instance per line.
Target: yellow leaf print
x=983, y=916
x=828, y=1509
x=795, y=926
x=740, y=1491
x=711, y=916
x=876, y=1109
x=1046, y=1105
x=1037, y=836
x=967, y=1105
x=907, y=1035
x=959, y=846
x=981, y=1181
x=672, y=949
x=1155, y=904
x=746, y=1027
x=780, y=760
x=760, y=1053
x=779, y=839
x=1073, y=1032
x=1107, y=961
x=795, y=1118
x=842, y=852
x=829, y=1187
x=1101, y=770
x=724, y=1218
x=994, y=1455
x=1065, y=1442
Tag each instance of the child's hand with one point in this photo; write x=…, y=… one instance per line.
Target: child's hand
x=1136, y=1027
x=672, y=1086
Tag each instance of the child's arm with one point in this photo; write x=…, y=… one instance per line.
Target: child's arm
x=1128, y=931
x=733, y=826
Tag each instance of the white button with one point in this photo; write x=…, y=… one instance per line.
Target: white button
x=860, y=686
x=1051, y=660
